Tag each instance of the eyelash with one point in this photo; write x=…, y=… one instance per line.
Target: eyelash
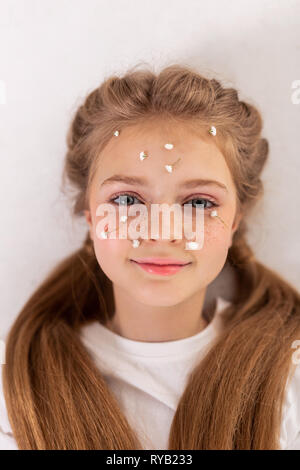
x=111, y=200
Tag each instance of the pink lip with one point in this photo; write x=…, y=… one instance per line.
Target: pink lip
x=161, y=269
x=160, y=261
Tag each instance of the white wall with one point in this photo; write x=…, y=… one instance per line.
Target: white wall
x=52, y=52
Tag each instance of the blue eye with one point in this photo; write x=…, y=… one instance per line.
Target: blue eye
x=201, y=203
x=123, y=199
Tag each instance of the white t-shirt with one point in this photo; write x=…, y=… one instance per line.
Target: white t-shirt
x=148, y=379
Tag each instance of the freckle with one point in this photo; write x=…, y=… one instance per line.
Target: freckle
x=212, y=233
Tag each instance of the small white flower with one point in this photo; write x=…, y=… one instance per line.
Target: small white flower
x=135, y=243
x=116, y=133
x=191, y=246
x=103, y=234
x=214, y=213
x=169, y=146
x=123, y=218
x=169, y=168
x=213, y=130
x=143, y=155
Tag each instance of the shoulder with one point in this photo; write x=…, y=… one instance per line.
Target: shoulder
x=7, y=441
x=290, y=426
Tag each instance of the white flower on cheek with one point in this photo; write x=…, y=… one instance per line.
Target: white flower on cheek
x=103, y=234
x=191, y=246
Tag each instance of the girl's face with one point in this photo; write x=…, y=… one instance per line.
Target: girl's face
x=199, y=160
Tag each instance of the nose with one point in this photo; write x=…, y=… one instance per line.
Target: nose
x=155, y=240
x=170, y=231
x=166, y=240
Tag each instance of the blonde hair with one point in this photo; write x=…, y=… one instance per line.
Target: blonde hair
x=55, y=395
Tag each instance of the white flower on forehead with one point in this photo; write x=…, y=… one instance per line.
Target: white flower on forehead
x=143, y=155
x=135, y=243
x=169, y=146
x=169, y=168
x=191, y=246
x=116, y=133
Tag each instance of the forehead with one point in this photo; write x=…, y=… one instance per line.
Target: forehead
x=199, y=155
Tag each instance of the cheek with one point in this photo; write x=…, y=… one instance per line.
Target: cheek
x=110, y=255
x=212, y=257
x=216, y=235
x=216, y=242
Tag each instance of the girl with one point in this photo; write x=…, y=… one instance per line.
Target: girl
x=114, y=350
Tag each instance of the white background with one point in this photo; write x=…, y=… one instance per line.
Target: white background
x=53, y=52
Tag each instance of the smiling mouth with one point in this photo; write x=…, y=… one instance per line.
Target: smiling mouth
x=161, y=261
x=159, y=264
x=161, y=269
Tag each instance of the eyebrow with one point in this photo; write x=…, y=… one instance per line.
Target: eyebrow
x=139, y=181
